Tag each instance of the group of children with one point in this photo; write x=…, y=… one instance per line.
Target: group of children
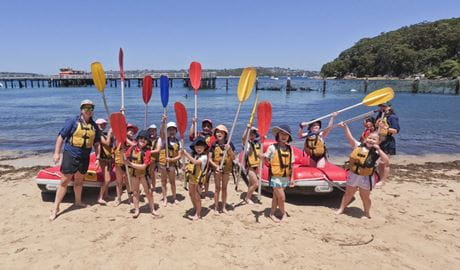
x=143, y=156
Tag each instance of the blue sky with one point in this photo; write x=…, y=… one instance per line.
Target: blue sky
x=42, y=36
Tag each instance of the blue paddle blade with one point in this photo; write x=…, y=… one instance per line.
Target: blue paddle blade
x=164, y=90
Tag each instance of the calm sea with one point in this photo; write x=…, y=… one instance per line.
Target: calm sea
x=30, y=119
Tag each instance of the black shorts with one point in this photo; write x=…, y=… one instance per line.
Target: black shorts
x=71, y=165
x=389, y=145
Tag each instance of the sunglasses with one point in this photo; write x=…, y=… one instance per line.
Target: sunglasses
x=88, y=108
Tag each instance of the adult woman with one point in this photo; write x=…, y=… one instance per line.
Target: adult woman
x=79, y=134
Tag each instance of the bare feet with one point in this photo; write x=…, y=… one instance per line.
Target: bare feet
x=53, y=214
x=155, y=213
x=117, y=202
x=194, y=217
x=176, y=201
x=248, y=201
x=339, y=211
x=136, y=213
x=216, y=211
x=226, y=212
x=366, y=216
x=80, y=204
x=165, y=202
x=380, y=184
x=275, y=219
x=102, y=202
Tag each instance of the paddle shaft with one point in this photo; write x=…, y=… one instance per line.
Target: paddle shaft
x=259, y=174
x=196, y=114
x=354, y=119
x=145, y=116
x=127, y=174
x=166, y=141
x=229, y=139
x=345, y=109
x=105, y=105
x=122, y=109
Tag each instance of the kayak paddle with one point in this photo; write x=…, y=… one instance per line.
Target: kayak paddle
x=195, y=81
x=264, y=119
x=146, y=94
x=181, y=119
x=122, y=80
x=164, y=92
x=99, y=81
x=251, y=120
x=119, y=129
x=245, y=85
x=373, y=99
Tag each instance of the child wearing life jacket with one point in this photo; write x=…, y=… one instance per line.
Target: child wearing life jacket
x=314, y=144
x=138, y=159
x=155, y=147
x=251, y=159
x=206, y=133
x=369, y=127
x=221, y=174
x=195, y=172
x=362, y=163
x=120, y=172
x=281, y=158
x=105, y=157
x=168, y=160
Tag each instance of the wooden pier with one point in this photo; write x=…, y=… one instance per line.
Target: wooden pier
x=208, y=80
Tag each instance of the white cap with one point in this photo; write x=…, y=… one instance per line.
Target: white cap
x=171, y=124
x=101, y=121
x=152, y=126
x=86, y=102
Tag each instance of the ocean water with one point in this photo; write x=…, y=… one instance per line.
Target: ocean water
x=30, y=119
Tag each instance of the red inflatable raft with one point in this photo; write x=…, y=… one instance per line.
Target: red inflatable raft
x=48, y=179
x=308, y=179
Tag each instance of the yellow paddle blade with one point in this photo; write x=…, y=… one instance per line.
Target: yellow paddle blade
x=254, y=108
x=246, y=83
x=379, y=96
x=98, y=76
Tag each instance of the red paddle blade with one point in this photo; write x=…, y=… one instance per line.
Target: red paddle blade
x=195, y=75
x=147, y=88
x=181, y=118
x=118, y=124
x=120, y=63
x=264, y=118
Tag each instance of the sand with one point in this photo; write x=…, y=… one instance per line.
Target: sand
x=415, y=225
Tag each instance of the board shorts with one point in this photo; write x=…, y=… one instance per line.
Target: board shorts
x=106, y=162
x=277, y=181
x=364, y=182
x=70, y=165
x=389, y=145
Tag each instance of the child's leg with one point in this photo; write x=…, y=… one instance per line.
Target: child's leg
x=321, y=163
x=197, y=201
x=274, y=206
x=149, y=195
x=206, y=185
x=164, y=190
x=191, y=193
x=366, y=198
x=119, y=183
x=225, y=178
x=347, y=197
x=136, y=194
x=384, y=171
x=172, y=182
x=217, y=183
x=280, y=199
x=153, y=176
x=252, y=185
x=104, y=186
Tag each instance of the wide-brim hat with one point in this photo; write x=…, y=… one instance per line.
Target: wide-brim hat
x=282, y=128
x=135, y=128
x=199, y=141
x=316, y=122
x=386, y=104
x=206, y=121
x=221, y=128
x=256, y=131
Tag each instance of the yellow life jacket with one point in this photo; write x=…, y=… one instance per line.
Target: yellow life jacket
x=362, y=161
x=217, y=155
x=118, y=155
x=173, y=151
x=106, y=150
x=252, y=160
x=314, y=146
x=136, y=157
x=194, y=173
x=280, y=164
x=83, y=136
x=155, y=156
x=382, y=131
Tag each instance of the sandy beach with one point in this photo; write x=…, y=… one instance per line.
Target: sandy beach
x=415, y=225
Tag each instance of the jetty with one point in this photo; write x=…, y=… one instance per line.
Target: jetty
x=208, y=80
